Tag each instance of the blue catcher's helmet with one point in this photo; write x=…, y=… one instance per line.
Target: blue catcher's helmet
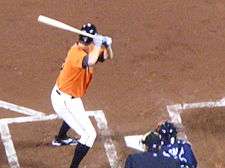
x=168, y=133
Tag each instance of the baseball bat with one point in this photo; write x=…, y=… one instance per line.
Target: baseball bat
x=61, y=25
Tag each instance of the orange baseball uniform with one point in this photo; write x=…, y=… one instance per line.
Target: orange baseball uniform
x=73, y=78
x=71, y=85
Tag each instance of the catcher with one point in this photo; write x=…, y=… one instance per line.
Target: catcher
x=174, y=147
x=71, y=85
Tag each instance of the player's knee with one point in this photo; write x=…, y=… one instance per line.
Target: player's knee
x=89, y=137
x=93, y=135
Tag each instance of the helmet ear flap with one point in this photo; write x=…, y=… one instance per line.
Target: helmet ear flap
x=143, y=141
x=151, y=141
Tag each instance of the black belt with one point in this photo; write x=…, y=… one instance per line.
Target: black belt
x=59, y=93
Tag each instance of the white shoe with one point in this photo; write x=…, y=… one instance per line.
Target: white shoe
x=65, y=141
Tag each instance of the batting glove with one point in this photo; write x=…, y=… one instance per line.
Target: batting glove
x=98, y=40
x=107, y=41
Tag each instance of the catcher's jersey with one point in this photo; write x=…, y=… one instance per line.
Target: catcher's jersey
x=182, y=152
x=73, y=78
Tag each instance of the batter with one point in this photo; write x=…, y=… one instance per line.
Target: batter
x=71, y=85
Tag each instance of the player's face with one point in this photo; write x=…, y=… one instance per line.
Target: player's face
x=85, y=46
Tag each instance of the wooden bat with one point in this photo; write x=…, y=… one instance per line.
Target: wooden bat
x=61, y=25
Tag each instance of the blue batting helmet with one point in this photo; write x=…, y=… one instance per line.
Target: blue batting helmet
x=88, y=28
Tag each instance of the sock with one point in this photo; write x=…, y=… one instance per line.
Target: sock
x=63, y=130
x=80, y=151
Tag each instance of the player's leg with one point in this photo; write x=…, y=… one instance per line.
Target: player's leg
x=83, y=126
x=60, y=108
x=62, y=138
x=73, y=113
x=63, y=130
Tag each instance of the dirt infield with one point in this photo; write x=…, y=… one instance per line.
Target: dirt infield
x=166, y=52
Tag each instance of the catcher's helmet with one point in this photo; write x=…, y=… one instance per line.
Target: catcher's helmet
x=88, y=28
x=152, y=141
x=172, y=131
x=168, y=132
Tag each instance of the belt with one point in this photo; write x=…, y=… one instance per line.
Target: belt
x=60, y=93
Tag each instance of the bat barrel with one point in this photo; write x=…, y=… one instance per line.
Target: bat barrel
x=61, y=25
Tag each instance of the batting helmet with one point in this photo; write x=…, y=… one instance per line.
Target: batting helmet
x=88, y=28
x=168, y=132
x=171, y=129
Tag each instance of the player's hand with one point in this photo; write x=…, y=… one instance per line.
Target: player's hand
x=98, y=40
x=107, y=41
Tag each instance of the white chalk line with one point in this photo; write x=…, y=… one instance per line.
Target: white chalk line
x=176, y=110
x=19, y=109
x=110, y=148
x=9, y=147
x=28, y=119
x=40, y=116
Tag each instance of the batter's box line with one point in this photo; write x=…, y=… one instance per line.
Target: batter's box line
x=19, y=109
x=176, y=110
x=39, y=116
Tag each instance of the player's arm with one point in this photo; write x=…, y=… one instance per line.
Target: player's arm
x=96, y=54
x=108, y=52
x=92, y=57
x=189, y=155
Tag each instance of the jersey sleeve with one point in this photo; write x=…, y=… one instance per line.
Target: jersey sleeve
x=76, y=57
x=189, y=155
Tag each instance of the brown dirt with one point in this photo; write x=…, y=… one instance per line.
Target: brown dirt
x=204, y=128
x=166, y=52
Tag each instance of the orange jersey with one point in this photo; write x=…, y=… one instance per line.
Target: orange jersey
x=73, y=78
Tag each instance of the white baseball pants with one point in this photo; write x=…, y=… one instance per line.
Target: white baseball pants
x=72, y=111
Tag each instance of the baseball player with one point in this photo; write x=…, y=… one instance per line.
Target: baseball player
x=153, y=157
x=72, y=83
x=178, y=149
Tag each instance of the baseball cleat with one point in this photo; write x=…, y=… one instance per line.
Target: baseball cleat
x=65, y=141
